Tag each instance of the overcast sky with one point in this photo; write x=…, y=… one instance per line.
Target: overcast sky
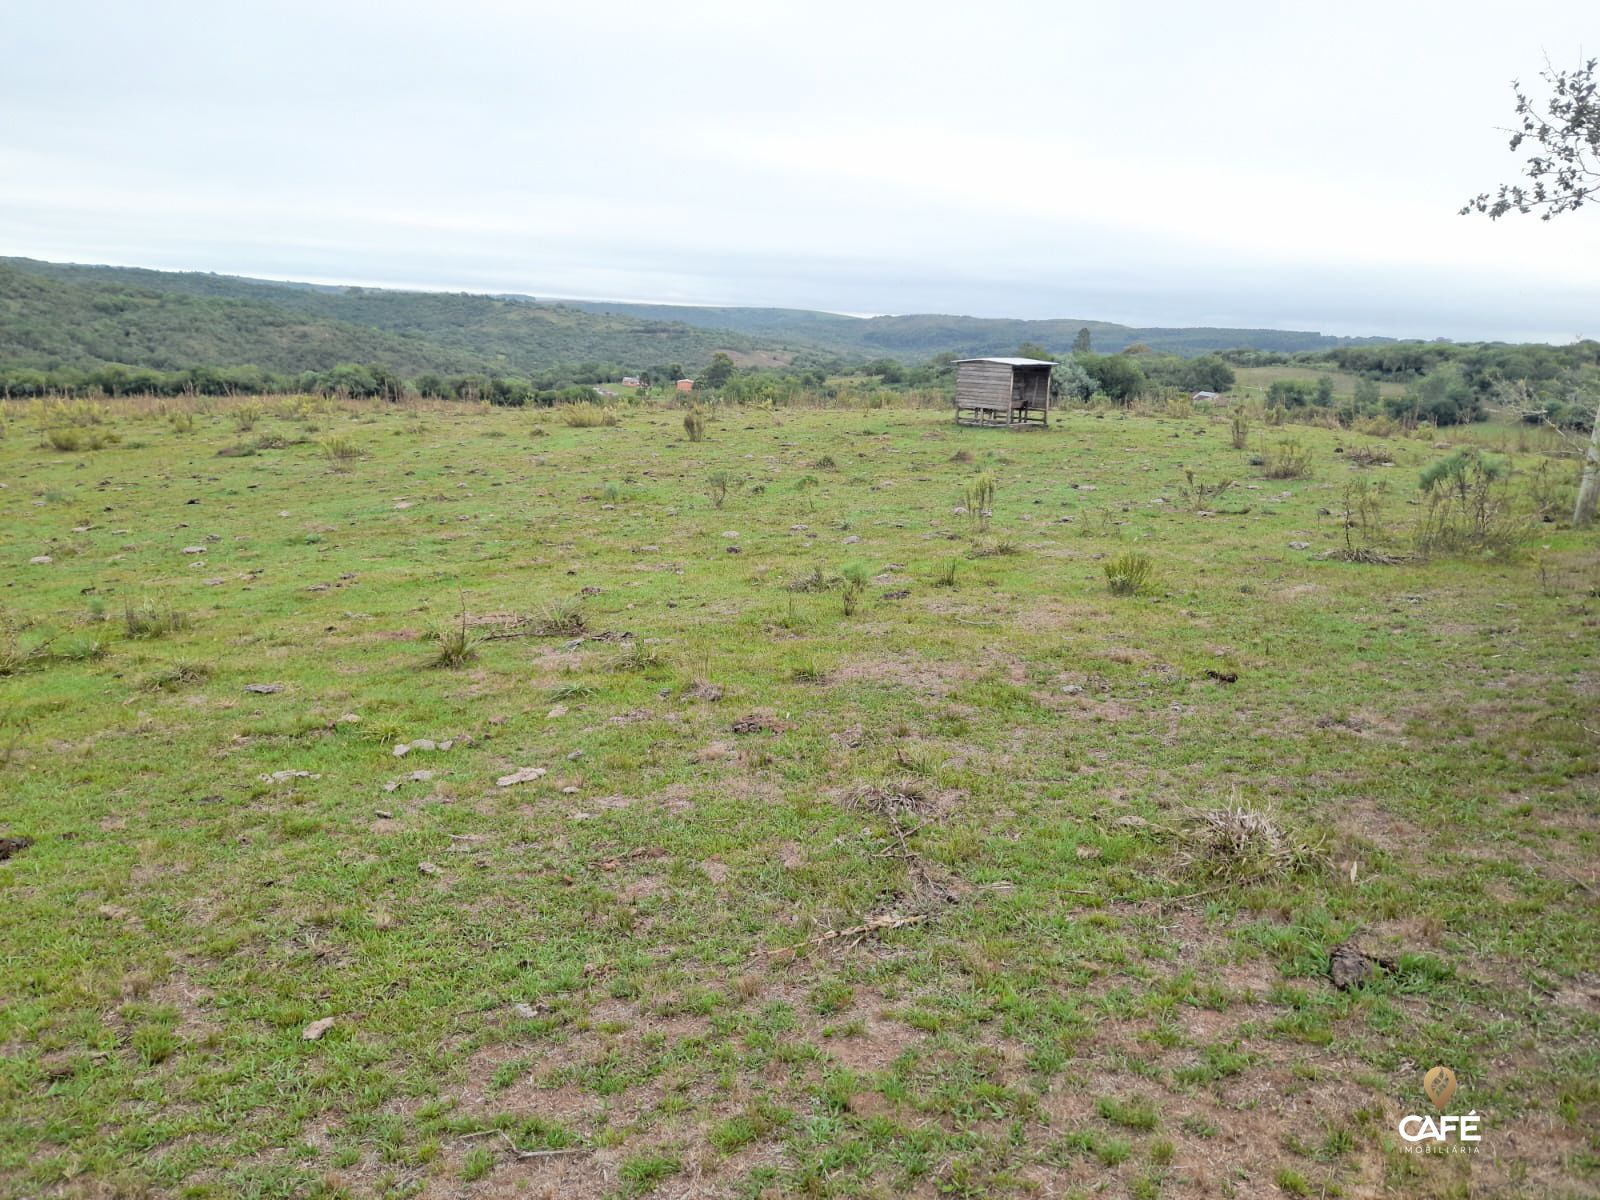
x=1261, y=164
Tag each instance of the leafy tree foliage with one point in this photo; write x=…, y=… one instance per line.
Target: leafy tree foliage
x=1565, y=172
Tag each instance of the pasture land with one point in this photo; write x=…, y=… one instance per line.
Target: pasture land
x=677, y=711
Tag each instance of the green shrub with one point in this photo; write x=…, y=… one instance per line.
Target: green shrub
x=338, y=448
x=1287, y=459
x=694, y=424
x=1239, y=429
x=1129, y=573
x=1467, y=505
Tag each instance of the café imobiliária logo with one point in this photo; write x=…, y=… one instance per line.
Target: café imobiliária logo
x=1434, y=1133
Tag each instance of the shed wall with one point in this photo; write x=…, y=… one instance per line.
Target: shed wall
x=983, y=385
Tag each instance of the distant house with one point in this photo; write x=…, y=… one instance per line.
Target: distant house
x=1003, y=391
x=686, y=385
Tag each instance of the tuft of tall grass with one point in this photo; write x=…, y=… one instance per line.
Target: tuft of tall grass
x=152, y=618
x=1130, y=573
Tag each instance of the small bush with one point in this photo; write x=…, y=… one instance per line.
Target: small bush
x=947, y=573
x=1239, y=429
x=1287, y=459
x=855, y=586
x=694, y=424
x=456, y=644
x=980, y=499
x=1129, y=573
x=340, y=449
x=717, y=484
x=1467, y=505
x=587, y=416
x=70, y=439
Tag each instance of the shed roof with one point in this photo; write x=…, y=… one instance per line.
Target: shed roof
x=1013, y=362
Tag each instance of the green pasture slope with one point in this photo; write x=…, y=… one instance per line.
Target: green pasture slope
x=980, y=779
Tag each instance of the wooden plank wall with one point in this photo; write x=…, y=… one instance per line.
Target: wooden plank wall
x=983, y=385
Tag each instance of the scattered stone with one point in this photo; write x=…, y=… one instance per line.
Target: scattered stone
x=1299, y=545
x=428, y=868
x=263, y=689
x=556, y=713
x=525, y=775
x=852, y=539
x=383, y=813
x=214, y=581
x=40, y=560
x=570, y=790
x=285, y=776
x=112, y=912
x=897, y=594
x=730, y=533
x=1349, y=967
x=1072, y=689
x=575, y=756
x=314, y=1031
x=405, y=748
x=194, y=549
x=13, y=845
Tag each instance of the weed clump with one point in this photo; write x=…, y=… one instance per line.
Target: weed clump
x=148, y=618
x=1287, y=459
x=855, y=586
x=1467, y=506
x=340, y=449
x=694, y=424
x=587, y=416
x=1238, y=844
x=1130, y=573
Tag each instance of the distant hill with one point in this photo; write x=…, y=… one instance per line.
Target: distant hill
x=914, y=338
x=67, y=315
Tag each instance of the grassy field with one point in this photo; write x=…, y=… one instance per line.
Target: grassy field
x=1253, y=382
x=704, y=705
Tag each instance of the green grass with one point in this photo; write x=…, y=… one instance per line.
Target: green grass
x=989, y=778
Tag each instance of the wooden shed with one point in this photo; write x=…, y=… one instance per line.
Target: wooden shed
x=1003, y=391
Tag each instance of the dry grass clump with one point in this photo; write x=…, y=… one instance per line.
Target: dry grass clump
x=1238, y=844
x=1287, y=459
x=587, y=416
x=899, y=798
x=152, y=619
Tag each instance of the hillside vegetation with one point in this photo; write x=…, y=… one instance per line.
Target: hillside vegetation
x=58, y=315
